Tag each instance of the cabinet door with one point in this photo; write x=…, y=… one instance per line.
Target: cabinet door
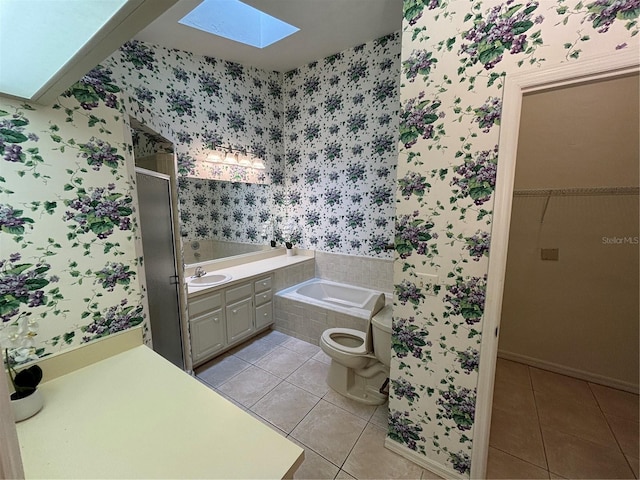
x=264, y=315
x=207, y=335
x=239, y=320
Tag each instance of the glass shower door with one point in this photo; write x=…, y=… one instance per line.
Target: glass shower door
x=154, y=198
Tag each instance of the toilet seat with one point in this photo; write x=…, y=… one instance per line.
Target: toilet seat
x=346, y=332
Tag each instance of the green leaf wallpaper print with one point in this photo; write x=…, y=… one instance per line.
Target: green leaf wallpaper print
x=67, y=217
x=326, y=131
x=455, y=56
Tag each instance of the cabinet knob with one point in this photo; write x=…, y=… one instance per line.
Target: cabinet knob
x=234, y=311
x=266, y=314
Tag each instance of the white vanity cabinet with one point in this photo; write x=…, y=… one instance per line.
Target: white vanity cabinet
x=263, y=302
x=227, y=316
x=208, y=328
x=239, y=312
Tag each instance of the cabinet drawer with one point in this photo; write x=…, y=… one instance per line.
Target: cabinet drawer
x=204, y=304
x=263, y=297
x=264, y=315
x=262, y=284
x=238, y=293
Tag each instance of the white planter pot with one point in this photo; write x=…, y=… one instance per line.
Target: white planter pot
x=290, y=252
x=26, y=407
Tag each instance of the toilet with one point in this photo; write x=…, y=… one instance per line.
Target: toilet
x=360, y=360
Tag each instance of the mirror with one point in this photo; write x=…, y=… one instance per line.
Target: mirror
x=217, y=219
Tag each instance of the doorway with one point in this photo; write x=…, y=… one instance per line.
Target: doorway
x=568, y=347
x=516, y=86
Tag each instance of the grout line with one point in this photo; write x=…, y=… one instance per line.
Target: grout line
x=615, y=437
x=535, y=403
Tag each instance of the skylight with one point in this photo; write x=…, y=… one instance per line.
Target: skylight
x=238, y=21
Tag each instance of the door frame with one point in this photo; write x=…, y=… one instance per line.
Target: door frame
x=620, y=63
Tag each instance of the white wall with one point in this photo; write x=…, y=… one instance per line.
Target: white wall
x=580, y=312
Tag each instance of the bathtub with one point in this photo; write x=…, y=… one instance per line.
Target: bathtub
x=307, y=309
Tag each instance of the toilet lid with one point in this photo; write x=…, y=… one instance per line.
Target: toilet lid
x=345, y=332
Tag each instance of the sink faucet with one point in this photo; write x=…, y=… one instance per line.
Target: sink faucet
x=199, y=272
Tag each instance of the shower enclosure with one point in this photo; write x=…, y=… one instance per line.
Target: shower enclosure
x=156, y=224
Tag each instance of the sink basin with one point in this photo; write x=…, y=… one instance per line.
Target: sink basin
x=209, y=280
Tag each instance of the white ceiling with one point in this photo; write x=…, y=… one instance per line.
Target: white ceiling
x=326, y=27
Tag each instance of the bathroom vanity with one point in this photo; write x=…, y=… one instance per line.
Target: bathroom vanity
x=225, y=315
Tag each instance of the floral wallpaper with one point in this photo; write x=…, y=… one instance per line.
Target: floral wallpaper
x=454, y=59
x=233, y=212
x=203, y=104
x=325, y=131
x=340, y=149
x=68, y=223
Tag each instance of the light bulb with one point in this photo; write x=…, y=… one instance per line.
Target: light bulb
x=214, y=158
x=258, y=164
x=230, y=159
x=245, y=162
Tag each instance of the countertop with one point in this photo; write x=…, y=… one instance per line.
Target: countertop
x=135, y=415
x=248, y=270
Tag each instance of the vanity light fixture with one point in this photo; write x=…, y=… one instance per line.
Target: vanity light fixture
x=245, y=162
x=258, y=164
x=231, y=158
x=214, y=158
x=235, y=156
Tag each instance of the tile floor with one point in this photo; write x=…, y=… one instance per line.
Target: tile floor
x=282, y=381
x=546, y=425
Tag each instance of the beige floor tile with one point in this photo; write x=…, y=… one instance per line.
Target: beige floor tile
x=330, y=431
x=518, y=434
x=626, y=433
x=253, y=350
x=342, y=475
x=221, y=369
x=360, y=409
x=273, y=336
x=312, y=376
x=573, y=457
x=634, y=463
x=281, y=362
x=249, y=386
x=314, y=466
x=561, y=386
x=513, y=396
x=381, y=416
x=267, y=423
x=370, y=459
x=503, y=465
x=512, y=372
x=301, y=347
x=616, y=402
x=322, y=357
x=555, y=476
x=577, y=419
x=285, y=406
x=427, y=475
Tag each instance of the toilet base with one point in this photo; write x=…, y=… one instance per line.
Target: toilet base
x=359, y=385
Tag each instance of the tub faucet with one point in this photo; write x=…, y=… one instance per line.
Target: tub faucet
x=199, y=272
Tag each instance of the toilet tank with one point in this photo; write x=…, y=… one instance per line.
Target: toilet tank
x=381, y=332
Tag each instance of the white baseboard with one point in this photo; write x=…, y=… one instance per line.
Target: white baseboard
x=422, y=461
x=570, y=371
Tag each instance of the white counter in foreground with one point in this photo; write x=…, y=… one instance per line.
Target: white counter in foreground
x=135, y=415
